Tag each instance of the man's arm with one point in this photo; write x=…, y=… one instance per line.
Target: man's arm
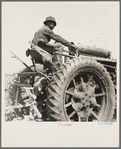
x=57, y=38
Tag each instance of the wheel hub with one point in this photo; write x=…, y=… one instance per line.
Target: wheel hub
x=84, y=97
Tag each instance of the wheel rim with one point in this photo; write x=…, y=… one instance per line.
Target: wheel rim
x=88, y=103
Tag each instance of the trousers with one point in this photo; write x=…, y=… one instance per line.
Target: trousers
x=54, y=49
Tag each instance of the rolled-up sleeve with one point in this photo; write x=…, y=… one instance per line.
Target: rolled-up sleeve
x=57, y=38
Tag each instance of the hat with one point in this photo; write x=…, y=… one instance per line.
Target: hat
x=50, y=18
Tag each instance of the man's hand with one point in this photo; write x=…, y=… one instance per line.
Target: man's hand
x=73, y=49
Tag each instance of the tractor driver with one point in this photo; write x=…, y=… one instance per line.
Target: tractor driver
x=42, y=38
x=45, y=34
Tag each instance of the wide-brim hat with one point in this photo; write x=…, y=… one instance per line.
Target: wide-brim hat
x=50, y=18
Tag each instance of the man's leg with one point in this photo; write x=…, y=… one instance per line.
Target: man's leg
x=58, y=49
x=53, y=49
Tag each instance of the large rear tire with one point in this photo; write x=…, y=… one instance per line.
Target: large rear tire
x=69, y=102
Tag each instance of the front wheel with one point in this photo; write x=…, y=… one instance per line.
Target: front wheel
x=82, y=91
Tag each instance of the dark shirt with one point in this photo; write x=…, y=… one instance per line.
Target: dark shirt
x=47, y=34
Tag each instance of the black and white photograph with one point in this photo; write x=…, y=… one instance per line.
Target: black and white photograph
x=60, y=74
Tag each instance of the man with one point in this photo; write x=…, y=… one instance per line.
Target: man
x=42, y=38
x=45, y=34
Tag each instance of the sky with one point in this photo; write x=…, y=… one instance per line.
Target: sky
x=85, y=23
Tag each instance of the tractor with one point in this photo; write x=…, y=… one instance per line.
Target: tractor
x=74, y=87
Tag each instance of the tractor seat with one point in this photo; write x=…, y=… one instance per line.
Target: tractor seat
x=36, y=56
